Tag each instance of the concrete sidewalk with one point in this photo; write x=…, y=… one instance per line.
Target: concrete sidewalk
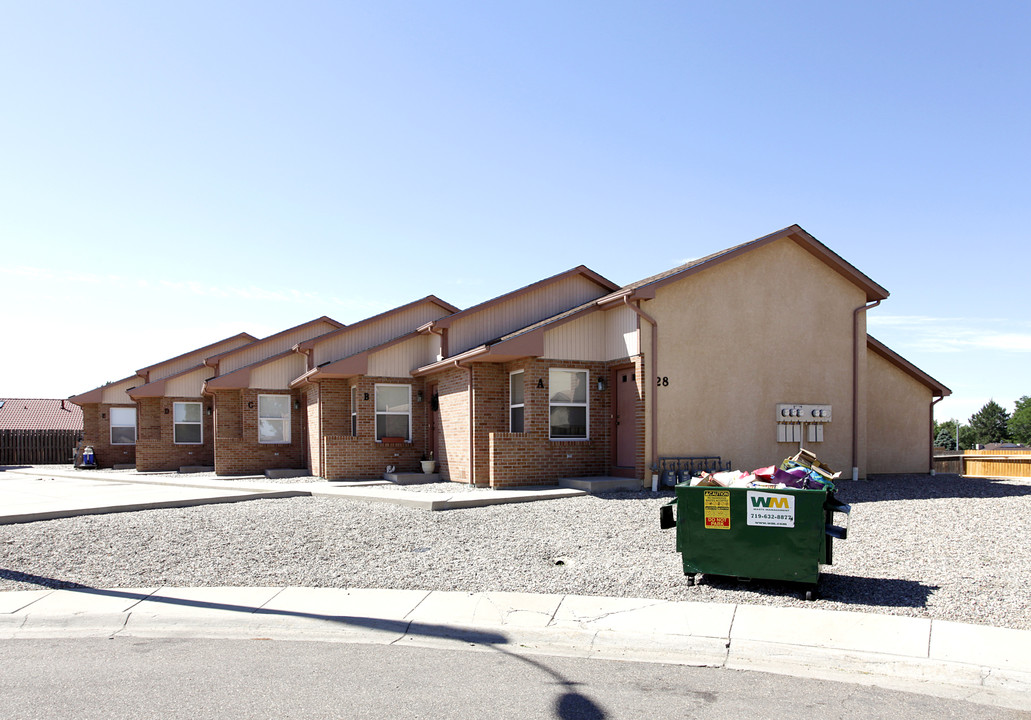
x=979, y=664
x=29, y=494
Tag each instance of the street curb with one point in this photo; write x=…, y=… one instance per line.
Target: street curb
x=985, y=665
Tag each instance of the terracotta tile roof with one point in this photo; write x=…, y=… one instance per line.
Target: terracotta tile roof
x=39, y=414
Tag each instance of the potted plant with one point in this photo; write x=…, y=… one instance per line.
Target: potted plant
x=428, y=463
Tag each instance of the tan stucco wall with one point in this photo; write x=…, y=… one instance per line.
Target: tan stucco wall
x=773, y=325
x=898, y=420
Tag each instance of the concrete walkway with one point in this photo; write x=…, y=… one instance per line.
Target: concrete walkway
x=980, y=664
x=30, y=494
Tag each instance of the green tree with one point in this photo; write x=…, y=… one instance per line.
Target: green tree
x=989, y=423
x=967, y=439
x=945, y=434
x=1019, y=425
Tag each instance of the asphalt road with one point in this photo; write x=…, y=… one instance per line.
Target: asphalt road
x=173, y=678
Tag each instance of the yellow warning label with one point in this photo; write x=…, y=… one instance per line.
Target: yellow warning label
x=717, y=509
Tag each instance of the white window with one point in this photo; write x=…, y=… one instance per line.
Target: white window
x=186, y=423
x=354, y=411
x=515, y=401
x=123, y=426
x=567, y=404
x=274, y=419
x=394, y=411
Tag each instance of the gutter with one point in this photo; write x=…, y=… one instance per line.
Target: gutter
x=450, y=363
x=930, y=445
x=432, y=328
x=472, y=424
x=855, y=384
x=309, y=355
x=655, y=369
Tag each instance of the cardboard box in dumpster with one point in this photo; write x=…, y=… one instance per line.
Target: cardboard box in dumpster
x=808, y=459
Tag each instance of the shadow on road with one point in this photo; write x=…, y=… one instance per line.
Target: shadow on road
x=570, y=705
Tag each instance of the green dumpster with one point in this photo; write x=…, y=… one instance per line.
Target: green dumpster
x=755, y=532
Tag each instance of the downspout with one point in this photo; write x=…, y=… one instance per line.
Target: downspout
x=204, y=392
x=309, y=365
x=930, y=445
x=655, y=368
x=855, y=385
x=472, y=425
x=442, y=333
x=309, y=356
x=322, y=437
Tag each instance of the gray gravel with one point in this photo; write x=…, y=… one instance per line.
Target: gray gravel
x=944, y=547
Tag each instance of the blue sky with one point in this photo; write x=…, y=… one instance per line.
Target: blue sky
x=175, y=173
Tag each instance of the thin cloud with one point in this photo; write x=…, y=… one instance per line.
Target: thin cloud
x=947, y=335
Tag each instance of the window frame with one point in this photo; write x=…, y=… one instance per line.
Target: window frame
x=512, y=406
x=199, y=423
x=111, y=425
x=408, y=414
x=287, y=421
x=586, y=405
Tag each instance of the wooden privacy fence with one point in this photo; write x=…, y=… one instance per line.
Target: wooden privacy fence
x=35, y=447
x=986, y=463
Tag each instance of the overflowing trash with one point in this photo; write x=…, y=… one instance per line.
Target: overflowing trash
x=774, y=523
x=802, y=471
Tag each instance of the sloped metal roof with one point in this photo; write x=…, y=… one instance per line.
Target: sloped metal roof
x=39, y=414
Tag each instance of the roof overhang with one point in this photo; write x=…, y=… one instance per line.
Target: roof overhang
x=795, y=233
x=96, y=395
x=241, y=377
x=581, y=270
x=432, y=299
x=246, y=338
x=348, y=367
x=214, y=360
x=937, y=389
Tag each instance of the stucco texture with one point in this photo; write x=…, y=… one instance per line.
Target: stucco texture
x=898, y=420
x=773, y=325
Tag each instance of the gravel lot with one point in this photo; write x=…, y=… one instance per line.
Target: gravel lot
x=944, y=547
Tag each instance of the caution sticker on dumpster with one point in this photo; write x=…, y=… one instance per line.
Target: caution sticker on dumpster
x=717, y=509
x=770, y=510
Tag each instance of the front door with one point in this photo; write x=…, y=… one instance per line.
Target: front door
x=433, y=422
x=625, y=399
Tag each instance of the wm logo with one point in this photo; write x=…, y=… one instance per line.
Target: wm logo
x=770, y=502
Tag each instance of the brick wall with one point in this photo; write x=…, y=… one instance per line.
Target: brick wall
x=96, y=425
x=312, y=410
x=361, y=456
x=156, y=448
x=237, y=449
x=453, y=425
x=531, y=457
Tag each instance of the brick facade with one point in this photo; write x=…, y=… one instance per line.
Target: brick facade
x=452, y=425
x=345, y=456
x=96, y=433
x=156, y=448
x=237, y=448
x=532, y=457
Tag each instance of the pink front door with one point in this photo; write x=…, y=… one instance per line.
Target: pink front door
x=624, y=381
